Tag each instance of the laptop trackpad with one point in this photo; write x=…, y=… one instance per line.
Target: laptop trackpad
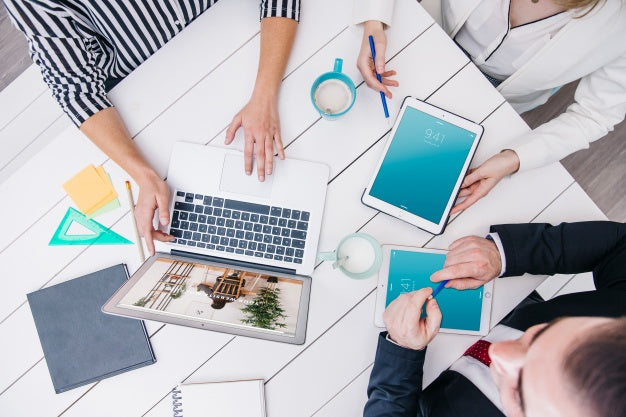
x=235, y=180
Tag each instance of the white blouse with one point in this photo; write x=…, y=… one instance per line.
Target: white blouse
x=590, y=48
x=496, y=48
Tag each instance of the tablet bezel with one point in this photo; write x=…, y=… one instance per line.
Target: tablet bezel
x=381, y=293
x=111, y=306
x=398, y=212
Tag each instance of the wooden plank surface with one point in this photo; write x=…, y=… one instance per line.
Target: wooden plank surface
x=599, y=170
x=165, y=133
x=27, y=126
x=39, y=234
x=20, y=93
x=340, y=309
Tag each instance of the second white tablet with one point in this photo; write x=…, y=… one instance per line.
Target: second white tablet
x=423, y=165
x=406, y=269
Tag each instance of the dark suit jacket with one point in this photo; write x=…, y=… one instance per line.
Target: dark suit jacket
x=395, y=387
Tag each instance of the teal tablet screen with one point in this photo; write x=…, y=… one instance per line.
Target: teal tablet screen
x=422, y=165
x=410, y=271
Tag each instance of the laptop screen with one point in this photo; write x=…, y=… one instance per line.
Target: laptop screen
x=217, y=294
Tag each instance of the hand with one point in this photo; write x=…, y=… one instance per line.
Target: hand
x=403, y=322
x=261, y=127
x=364, y=61
x=471, y=262
x=154, y=194
x=479, y=181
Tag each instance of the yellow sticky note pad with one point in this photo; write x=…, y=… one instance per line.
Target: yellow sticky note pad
x=103, y=207
x=115, y=204
x=108, y=199
x=90, y=189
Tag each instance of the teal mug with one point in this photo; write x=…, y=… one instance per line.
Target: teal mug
x=333, y=93
x=358, y=256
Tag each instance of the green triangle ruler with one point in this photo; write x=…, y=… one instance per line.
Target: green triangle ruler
x=101, y=235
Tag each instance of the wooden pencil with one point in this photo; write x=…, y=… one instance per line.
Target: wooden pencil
x=131, y=202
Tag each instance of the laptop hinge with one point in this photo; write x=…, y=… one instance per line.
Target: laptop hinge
x=234, y=262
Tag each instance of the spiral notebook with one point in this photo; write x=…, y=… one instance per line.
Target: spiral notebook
x=224, y=399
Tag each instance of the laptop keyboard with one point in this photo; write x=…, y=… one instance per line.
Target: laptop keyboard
x=240, y=227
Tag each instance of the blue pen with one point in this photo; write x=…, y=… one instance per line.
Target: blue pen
x=382, y=95
x=439, y=288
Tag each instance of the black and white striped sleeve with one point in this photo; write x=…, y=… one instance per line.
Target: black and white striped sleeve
x=63, y=54
x=281, y=8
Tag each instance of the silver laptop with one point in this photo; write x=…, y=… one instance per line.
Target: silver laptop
x=240, y=244
x=218, y=211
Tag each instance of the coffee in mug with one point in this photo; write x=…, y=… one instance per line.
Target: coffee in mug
x=333, y=93
x=333, y=96
x=358, y=256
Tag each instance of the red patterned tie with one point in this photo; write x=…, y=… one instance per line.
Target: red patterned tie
x=479, y=351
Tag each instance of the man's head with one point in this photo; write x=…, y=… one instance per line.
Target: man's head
x=570, y=367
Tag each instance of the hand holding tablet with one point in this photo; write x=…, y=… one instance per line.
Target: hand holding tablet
x=423, y=165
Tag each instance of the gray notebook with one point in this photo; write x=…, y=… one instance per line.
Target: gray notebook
x=82, y=344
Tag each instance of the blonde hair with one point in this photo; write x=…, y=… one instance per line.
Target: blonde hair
x=589, y=5
x=577, y=4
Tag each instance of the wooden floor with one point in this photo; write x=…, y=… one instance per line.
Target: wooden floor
x=600, y=170
x=13, y=50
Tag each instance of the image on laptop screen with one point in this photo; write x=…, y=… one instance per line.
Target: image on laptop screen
x=217, y=294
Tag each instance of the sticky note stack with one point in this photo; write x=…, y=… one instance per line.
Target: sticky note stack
x=92, y=191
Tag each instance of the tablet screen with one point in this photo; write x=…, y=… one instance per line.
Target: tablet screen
x=217, y=294
x=422, y=164
x=410, y=271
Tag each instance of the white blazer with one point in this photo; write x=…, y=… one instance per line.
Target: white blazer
x=591, y=48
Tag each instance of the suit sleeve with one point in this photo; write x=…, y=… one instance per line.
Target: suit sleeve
x=569, y=248
x=64, y=55
x=395, y=384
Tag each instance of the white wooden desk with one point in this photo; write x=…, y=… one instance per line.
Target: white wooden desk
x=189, y=91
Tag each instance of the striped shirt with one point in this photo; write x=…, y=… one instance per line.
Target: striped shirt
x=80, y=44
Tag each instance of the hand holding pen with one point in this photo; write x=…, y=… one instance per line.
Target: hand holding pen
x=382, y=94
x=405, y=324
x=369, y=66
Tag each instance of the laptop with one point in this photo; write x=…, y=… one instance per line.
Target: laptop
x=218, y=210
x=238, y=241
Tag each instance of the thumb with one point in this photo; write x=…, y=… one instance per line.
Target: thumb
x=381, y=49
x=232, y=128
x=433, y=317
x=163, y=207
x=471, y=178
x=438, y=276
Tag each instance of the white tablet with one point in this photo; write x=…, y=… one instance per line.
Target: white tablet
x=423, y=165
x=407, y=269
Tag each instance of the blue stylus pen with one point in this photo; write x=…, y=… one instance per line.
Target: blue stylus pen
x=439, y=288
x=382, y=95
